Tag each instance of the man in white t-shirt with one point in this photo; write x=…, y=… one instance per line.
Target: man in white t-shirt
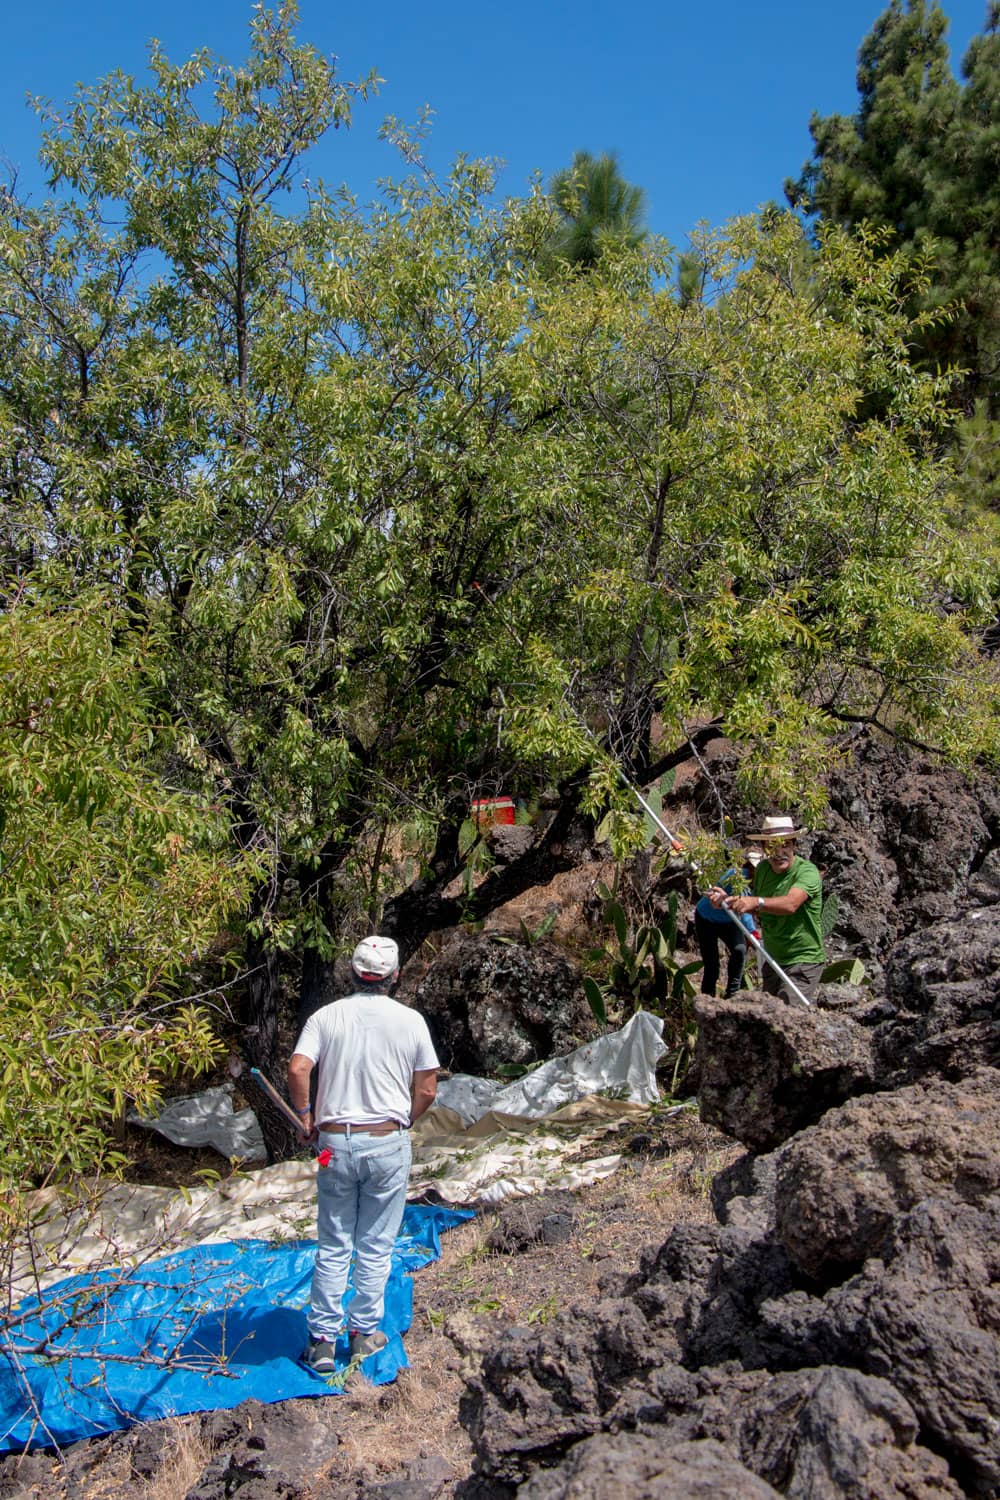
x=377, y=1073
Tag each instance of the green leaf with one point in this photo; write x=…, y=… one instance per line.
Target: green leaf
x=595, y=999
x=829, y=914
x=604, y=829
x=844, y=971
x=468, y=833
x=615, y=914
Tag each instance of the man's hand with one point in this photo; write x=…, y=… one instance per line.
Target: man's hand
x=718, y=896
x=307, y=1130
x=740, y=904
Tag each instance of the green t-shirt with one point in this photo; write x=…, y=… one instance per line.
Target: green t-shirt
x=797, y=939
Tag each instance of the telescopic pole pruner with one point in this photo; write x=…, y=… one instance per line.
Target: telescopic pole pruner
x=678, y=848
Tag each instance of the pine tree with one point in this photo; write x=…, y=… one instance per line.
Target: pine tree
x=919, y=160
x=596, y=206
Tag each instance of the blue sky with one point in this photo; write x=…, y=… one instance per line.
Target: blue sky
x=706, y=106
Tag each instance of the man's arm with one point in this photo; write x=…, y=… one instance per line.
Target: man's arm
x=775, y=906
x=423, y=1091
x=299, y=1073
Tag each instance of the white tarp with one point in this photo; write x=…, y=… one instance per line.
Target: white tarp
x=621, y=1064
x=208, y=1119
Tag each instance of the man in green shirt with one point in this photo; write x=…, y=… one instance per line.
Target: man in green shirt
x=787, y=900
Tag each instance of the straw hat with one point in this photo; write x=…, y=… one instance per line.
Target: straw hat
x=777, y=828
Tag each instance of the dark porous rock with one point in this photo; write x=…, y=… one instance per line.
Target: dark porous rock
x=944, y=985
x=23, y=1476
x=854, y=999
x=843, y=1185
x=424, y=1479
x=263, y=1451
x=225, y=1476
x=642, y=1467
x=930, y=1323
x=524, y=1222
x=694, y=1303
x=704, y=1287
x=816, y=1434
x=822, y=1434
x=508, y=841
x=538, y=1391
x=902, y=838
x=984, y=883
x=743, y=1193
x=796, y=1332
x=488, y=1003
x=863, y=877
x=768, y=1069
x=936, y=823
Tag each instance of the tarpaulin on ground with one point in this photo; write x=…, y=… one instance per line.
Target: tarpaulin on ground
x=620, y=1064
x=208, y=1119
x=198, y=1330
x=499, y=1157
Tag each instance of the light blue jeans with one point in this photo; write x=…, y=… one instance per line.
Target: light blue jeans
x=362, y=1195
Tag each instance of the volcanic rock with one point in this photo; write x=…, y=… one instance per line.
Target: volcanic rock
x=643, y=1468
x=944, y=987
x=767, y=1069
x=929, y=1322
x=493, y=1002
x=842, y=1186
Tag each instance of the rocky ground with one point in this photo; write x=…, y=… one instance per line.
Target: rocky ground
x=796, y=1293
x=837, y=1331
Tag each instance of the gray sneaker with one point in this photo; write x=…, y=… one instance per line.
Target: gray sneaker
x=319, y=1356
x=364, y=1344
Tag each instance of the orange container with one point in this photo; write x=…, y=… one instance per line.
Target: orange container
x=487, y=810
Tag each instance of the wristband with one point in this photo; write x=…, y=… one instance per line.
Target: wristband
x=760, y=903
x=303, y=1112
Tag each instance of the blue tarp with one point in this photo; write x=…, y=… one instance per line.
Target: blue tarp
x=199, y=1330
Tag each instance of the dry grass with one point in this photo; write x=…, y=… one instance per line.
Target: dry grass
x=384, y=1428
x=185, y=1457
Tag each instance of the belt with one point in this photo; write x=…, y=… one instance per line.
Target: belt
x=386, y=1127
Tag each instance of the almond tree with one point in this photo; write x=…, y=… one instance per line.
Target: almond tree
x=403, y=512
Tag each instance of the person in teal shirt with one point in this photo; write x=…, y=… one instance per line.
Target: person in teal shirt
x=787, y=900
x=713, y=926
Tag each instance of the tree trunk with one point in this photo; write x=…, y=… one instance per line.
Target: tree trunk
x=316, y=986
x=262, y=1009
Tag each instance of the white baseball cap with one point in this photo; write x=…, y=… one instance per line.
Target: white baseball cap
x=375, y=958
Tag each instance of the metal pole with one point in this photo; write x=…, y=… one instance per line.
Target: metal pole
x=678, y=848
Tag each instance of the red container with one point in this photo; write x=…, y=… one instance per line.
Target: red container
x=487, y=810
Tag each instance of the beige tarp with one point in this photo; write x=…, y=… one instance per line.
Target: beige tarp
x=499, y=1156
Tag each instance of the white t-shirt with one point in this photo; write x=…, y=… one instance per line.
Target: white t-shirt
x=368, y=1048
